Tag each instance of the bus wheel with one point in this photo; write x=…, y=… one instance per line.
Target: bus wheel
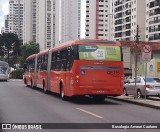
x=63, y=97
x=44, y=89
x=31, y=84
x=24, y=81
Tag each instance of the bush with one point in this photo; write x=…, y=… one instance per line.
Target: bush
x=17, y=74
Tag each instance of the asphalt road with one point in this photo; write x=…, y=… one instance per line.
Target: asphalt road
x=20, y=104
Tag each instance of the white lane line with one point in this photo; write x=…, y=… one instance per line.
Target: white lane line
x=90, y=113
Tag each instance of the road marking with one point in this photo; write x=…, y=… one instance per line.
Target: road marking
x=90, y=113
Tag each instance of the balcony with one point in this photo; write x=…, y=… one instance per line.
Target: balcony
x=154, y=12
x=154, y=4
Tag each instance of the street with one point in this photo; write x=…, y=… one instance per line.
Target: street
x=21, y=104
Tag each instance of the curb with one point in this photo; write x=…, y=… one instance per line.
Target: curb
x=136, y=102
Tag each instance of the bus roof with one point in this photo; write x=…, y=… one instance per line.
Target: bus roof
x=102, y=41
x=3, y=62
x=75, y=42
x=87, y=41
x=31, y=56
x=43, y=52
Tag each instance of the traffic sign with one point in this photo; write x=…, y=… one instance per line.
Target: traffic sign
x=146, y=53
x=146, y=48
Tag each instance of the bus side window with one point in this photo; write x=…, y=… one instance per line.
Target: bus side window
x=43, y=64
x=39, y=63
x=31, y=64
x=70, y=57
x=53, y=61
x=25, y=67
x=58, y=61
x=64, y=59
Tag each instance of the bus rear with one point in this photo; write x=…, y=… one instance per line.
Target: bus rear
x=98, y=72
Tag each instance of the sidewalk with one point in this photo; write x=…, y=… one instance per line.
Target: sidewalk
x=153, y=102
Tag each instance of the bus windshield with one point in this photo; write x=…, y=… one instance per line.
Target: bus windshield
x=99, y=52
x=3, y=68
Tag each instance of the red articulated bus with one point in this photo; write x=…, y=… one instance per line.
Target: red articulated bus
x=80, y=67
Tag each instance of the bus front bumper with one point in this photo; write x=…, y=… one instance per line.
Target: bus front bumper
x=4, y=76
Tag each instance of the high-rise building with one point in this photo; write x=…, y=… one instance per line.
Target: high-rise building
x=6, y=23
x=50, y=22
x=41, y=22
x=152, y=20
x=29, y=23
x=47, y=23
x=127, y=15
x=16, y=17
x=99, y=19
x=2, y=30
x=70, y=19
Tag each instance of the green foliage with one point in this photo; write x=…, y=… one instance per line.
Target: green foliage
x=17, y=74
x=9, y=45
x=28, y=49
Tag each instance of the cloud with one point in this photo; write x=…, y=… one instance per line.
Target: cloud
x=3, y=11
x=83, y=17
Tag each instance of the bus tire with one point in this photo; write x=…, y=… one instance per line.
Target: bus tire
x=31, y=84
x=44, y=89
x=26, y=82
x=63, y=97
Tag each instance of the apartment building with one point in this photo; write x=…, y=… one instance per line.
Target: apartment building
x=47, y=33
x=2, y=30
x=127, y=15
x=99, y=19
x=153, y=20
x=16, y=17
x=41, y=22
x=6, y=23
x=50, y=22
x=29, y=23
x=70, y=20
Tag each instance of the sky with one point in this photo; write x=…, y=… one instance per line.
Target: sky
x=4, y=5
x=3, y=11
x=83, y=16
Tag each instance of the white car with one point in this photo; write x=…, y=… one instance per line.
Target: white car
x=152, y=87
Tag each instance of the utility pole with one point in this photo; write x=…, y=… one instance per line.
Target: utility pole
x=136, y=57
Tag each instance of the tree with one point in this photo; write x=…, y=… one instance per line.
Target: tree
x=1, y=47
x=28, y=49
x=9, y=45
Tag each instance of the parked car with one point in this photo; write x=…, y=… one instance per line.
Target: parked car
x=152, y=87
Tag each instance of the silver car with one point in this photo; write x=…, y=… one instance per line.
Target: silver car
x=152, y=87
